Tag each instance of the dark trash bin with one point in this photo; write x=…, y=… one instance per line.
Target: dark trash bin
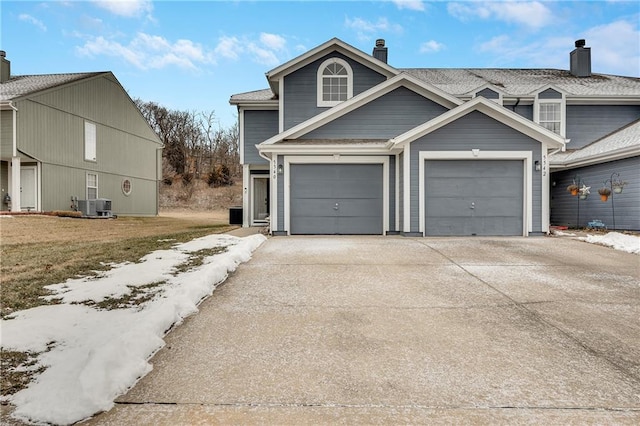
x=235, y=215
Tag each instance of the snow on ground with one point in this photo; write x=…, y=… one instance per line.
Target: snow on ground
x=91, y=354
x=623, y=242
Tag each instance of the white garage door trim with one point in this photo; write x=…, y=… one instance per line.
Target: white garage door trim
x=525, y=156
x=336, y=159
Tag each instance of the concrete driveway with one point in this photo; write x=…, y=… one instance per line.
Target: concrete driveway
x=380, y=330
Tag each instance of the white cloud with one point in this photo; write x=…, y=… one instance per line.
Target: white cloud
x=431, y=46
x=614, y=47
x=126, y=8
x=267, y=49
x=273, y=41
x=529, y=14
x=146, y=51
x=229, y=47
x=409, y=4
x=365, y=29
x=33, y=21
x=550, y=52
x=262, y=55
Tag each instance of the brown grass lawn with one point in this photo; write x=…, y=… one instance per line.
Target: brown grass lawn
x=36, y=251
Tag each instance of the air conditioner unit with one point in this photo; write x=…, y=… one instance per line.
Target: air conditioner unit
x=103, y=207
x=87, y=207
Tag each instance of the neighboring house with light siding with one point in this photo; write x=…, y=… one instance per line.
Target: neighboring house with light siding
x=67, y=137
x=343, y=143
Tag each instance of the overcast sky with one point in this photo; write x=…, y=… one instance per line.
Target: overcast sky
x=195, y=55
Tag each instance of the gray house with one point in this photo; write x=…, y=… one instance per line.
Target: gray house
x=343, y=143
x=68, y=137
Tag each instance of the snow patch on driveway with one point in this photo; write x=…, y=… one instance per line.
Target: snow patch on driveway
x=622, y=242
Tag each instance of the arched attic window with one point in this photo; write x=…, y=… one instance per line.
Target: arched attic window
x=335, y=82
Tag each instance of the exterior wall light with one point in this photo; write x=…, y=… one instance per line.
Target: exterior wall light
x=537, y=166
x=280, y=169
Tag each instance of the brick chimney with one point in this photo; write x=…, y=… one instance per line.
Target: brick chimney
x=5, y=67
x=580, y=60
x=380, y=51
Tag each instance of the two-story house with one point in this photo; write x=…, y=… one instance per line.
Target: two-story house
x=66, y=138
x=343, y=143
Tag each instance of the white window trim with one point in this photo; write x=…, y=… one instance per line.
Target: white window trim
x=525, y=156
x=90, y=142
x=345, y=64
x=563, y=111
x=87, y=186
x=336, y=159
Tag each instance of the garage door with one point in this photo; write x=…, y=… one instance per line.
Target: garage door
x=482, y=197
x=336, y=199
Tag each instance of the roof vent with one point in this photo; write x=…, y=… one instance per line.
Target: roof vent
x=580, y=60
x=380, y=51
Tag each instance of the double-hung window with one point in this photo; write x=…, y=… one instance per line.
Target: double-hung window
x=549, y=110
x=92, y=186
x=335, y=82
x=550, y=116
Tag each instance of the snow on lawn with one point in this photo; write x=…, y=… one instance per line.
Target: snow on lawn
x=623, y=242
x=91, y=354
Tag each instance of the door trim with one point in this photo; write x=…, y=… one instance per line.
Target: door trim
x=527, y=186
x=35, y=187
x=336, y=159
x=252, y=219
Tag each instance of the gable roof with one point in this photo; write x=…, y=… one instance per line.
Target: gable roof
x=525, y=82
x=491, y=109
x=24, y=85
x=333, y=45
x=401, y=80
x=622, y=143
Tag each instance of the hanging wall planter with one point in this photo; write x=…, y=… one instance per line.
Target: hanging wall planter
x=618, y=185
x=573, y=189
x=604, y=193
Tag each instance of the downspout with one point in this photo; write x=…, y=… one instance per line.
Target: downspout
x=516, y=104
x=14, y=189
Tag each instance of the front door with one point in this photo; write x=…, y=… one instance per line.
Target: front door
x=260, y=201
x=28, y=188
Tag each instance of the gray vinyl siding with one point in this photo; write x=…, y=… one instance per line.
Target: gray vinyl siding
x=524, y=110
x=4, y=184
x=564, y=206
x=51, y=129
x=488, y=93
x=588, y=123
x=6, y=134
x=258, y=127
x=474, y=130
x=300, y=91
x=549, y=94
x=60, y=183
x=388, y=116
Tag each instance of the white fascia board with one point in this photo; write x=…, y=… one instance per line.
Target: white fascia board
x=361, y=149
x=334, y=44
x=603, y=100
x=491, y=109
x=401, y=80
x=256, y=104
x=619, y=154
